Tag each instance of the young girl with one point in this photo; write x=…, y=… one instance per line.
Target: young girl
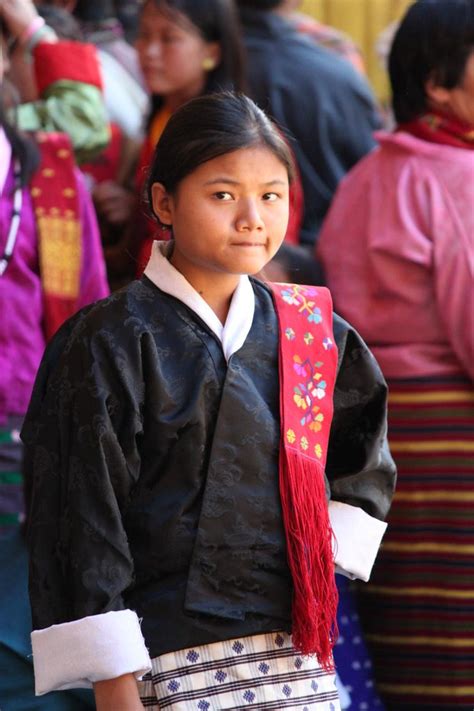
x=178, y=431
x=185, y=49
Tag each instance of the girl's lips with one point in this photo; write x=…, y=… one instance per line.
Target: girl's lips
x=151, y=70
x=248, y=244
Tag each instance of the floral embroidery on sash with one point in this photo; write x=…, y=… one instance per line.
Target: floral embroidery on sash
x=309, y=364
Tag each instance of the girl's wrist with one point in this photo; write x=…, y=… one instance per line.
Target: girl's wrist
x=31, y=29
x=36, y=32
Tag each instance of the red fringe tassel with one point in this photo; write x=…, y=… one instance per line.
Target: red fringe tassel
x=310, y=557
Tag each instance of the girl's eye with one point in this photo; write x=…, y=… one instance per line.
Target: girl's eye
x=222, y=195
x=270, y=197
x=171, y=38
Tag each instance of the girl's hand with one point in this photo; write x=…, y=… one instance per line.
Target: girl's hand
x=120, y=693
x=17, y=15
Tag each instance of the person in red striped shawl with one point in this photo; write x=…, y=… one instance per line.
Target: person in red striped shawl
x=397, y=249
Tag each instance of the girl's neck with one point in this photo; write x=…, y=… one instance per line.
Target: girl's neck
x=172, y=102
x=215, y=288
x=217, y=300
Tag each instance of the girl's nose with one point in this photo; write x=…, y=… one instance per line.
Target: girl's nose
x=249, y=218
x=152, y=49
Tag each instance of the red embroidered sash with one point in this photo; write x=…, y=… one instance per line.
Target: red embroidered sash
x=54, y=194
x=308, y=366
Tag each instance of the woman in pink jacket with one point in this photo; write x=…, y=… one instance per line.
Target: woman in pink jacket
x=397, y=249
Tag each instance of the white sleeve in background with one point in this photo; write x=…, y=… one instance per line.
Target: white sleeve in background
x=76, y=654
x=357, y=539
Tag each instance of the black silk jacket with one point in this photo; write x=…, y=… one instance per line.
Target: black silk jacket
x=153, y=468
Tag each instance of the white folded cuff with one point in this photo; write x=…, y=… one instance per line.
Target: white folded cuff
x=357, y=539
x=76, y=654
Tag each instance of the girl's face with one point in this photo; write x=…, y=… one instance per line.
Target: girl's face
x=229, y=216
x=173, y=55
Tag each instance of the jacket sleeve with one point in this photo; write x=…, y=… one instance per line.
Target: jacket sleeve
x=360, y=470
x=453, y=265
x=80, y=434
x=70, y=88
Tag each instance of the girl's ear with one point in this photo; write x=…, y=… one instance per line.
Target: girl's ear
x=213, y=56
x=438, y=96
x=162, y=203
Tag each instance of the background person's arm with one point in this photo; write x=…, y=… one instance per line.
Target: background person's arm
x=68, y=79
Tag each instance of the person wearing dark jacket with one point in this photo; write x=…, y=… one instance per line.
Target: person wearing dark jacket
x=320, y=101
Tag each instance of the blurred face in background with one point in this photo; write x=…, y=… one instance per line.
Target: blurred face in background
x=174, y=56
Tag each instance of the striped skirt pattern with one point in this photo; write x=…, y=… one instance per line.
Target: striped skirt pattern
x=418, y=609
x=257, y=672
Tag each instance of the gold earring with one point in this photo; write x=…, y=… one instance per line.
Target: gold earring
x=208, y=64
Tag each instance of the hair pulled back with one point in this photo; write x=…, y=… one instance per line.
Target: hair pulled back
x=208, y=127
x=434, y=41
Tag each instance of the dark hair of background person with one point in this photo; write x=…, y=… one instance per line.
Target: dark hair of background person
x=24, y=147
x=94, y=10
x=127, y=14
x=434, y=41
x=259, y=4
x=208, y=127
x=62, y=22
x=217, y=21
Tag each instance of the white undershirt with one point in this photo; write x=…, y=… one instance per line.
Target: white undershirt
x=234, y=332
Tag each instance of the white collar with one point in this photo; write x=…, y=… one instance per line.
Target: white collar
x=242, y=307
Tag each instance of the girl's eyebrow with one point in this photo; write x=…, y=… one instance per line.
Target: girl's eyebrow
x=230, y=181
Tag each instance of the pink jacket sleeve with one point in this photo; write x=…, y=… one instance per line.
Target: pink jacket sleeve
x=453, y=236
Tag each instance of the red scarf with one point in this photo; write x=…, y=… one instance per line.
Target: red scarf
x=439, y=128
x=308, y=365
x=53, y=190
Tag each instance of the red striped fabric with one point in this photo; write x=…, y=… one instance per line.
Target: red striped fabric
x=418, y=609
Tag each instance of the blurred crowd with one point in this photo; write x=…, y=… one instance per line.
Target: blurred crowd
x=381, y=211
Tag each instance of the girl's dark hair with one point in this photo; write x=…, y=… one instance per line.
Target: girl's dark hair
x=206, y=128
x=217, y=21
x=434, y=41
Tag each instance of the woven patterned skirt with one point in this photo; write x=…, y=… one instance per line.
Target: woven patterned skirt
x=418, y=609
x=258, y=672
